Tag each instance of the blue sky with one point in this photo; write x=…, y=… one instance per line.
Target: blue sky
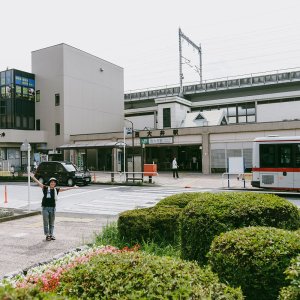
x=237, y=37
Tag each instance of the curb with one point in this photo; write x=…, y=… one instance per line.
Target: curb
x=19, y=215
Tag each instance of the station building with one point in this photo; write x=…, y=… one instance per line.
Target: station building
x=206, y=123
x=78, y=111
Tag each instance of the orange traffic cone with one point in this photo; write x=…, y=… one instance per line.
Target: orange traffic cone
x=5, y=194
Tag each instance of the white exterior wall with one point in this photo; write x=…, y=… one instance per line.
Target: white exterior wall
x=90, y=100
x=140, y=122
x=281, y=111
x=178, y=113
x=47, y=64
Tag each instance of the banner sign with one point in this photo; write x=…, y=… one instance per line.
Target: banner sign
x=157, y=140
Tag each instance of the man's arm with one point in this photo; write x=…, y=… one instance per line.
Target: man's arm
x=34, y=179
x=68, y=188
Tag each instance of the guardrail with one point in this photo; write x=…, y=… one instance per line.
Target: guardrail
x=126, y=178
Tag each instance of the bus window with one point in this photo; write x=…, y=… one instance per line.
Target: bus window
x=297, y=155
x=267, y=155
x=285, y=155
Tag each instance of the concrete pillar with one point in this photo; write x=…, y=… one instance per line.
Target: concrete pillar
x=115, y=159
x=205, y=154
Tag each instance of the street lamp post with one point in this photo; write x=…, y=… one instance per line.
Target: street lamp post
x=26, y=147
x=132, y=140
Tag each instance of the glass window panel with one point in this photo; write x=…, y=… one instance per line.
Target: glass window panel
x=18, y=91
x=31, y=83
x=18, y=121
x=31, y=123
x=3, y=89
x=267, y=155
x=31, y=93
x=232, y=120
x=8, y=77
x=242, y=110
x=2, y=78
x=250, y=119
x=38, y=96
x=8, y=90
x=297, y=155
x=18, y=80
x=231, y=111
x=24, y=81
x=285, y=155
x=250, y=111
x=25, y=92
x=25, y=123
x=242, y=119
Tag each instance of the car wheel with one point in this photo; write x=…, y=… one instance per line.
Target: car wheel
x=41, y=180
x=70, y=182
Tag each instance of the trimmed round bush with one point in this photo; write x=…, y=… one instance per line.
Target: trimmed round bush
x=212, y=214
x=255, y=259
x=157, y=224
x=142, y=276
x=292, y=292
x=178, y=200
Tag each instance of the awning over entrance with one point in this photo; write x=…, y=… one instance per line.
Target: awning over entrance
x=96, y=144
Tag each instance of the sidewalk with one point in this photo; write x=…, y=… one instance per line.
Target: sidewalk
x=23, y=243
x=186, y=179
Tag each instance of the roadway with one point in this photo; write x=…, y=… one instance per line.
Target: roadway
x=101, y=199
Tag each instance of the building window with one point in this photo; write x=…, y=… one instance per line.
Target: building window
x=166, y=117
x=57, y=129
x=57, y=100
x=38, y=96
x=38, y=124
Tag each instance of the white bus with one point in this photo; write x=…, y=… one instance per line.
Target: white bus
x=276, y=163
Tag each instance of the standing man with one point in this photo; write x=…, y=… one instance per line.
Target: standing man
x=50, y=192
x=194, y=163
x=175, y=168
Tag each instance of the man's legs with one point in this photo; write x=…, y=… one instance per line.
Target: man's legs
x=51, y=220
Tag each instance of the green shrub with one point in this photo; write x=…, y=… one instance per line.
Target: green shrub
x=178, y=200
x=255, y=259
x=142, y=276
x=6, y=212
x=110, y=236
x=9, y=293
x=158, y=224
x=292, y=292
x=211, y=214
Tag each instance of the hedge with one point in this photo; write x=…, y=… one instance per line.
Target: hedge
x=292, y=292
x=9, y=293
x=212, y=214
x=158, y=224
x=142, y=276
x=255, y=259
x=178, y=200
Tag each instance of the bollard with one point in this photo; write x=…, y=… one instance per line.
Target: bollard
x=112, y=177
x=94, y=177
x=150, y=179
x=5, y=194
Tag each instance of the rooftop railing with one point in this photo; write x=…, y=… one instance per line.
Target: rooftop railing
x=232, y=82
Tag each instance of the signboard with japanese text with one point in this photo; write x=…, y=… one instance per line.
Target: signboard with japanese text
x=157, y=140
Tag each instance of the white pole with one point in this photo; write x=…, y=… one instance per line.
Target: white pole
x=124, y=159
x=28, y=174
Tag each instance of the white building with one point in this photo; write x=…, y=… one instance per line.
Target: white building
x=76, y=93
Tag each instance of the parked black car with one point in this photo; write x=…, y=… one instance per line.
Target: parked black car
x=66, y=173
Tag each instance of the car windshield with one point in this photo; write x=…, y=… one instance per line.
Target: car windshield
x=70, y=167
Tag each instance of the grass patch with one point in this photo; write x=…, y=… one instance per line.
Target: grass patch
x=111, y=236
